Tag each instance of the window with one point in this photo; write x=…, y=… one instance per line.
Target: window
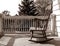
x=56, y=11
x=56, y=7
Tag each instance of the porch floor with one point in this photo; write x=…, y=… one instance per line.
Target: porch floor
x=20, y=40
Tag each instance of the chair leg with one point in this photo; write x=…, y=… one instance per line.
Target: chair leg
x=31, y=35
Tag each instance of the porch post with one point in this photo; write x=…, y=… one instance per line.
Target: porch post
x=1, y=31
x=53, y=24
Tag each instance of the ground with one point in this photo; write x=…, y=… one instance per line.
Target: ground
x=19, y=40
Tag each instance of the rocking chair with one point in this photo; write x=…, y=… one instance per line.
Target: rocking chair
x=41, y=27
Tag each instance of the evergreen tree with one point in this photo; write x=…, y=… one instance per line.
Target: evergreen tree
x=28, y=8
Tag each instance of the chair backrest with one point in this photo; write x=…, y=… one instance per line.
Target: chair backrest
x=42, y=23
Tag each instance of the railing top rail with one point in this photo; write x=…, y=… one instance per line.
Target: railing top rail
x=25, y=17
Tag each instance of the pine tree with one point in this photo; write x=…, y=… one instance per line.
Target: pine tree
x=28, y=8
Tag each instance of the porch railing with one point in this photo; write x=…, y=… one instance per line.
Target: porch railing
x=18, y=24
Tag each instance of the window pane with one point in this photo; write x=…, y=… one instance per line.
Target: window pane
x=56, y=7
x=57, y=17
x=55, y=2
x=57, y=12
x=58, y=29
x=57, y=23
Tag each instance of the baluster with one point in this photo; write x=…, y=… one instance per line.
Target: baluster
x=13, y=26
x=26, y=24
x=22, y=24
x=19, y=23
x=9, y=24
x=31, y=22
x=6, y=24
x=3, y=24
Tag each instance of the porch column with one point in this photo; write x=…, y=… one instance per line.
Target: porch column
x=1, y=31
x=53, y=24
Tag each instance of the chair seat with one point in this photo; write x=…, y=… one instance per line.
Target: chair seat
x=36, y=29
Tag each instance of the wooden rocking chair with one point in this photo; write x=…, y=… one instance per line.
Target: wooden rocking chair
x=41, y=26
